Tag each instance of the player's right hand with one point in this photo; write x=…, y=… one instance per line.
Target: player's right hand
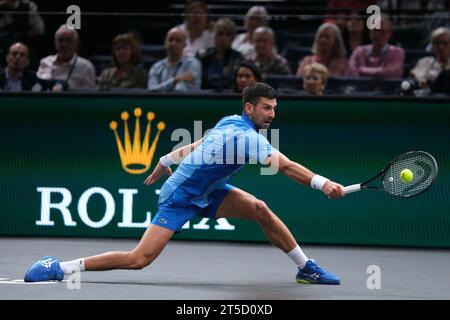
x=333, y=190
x=157, y=173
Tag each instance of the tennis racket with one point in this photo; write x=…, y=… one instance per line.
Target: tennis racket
x=423, y=166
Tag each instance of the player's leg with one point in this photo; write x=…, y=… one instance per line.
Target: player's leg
x=150, y=246
x=152, y=243
x=169, y=219
x=240, y=204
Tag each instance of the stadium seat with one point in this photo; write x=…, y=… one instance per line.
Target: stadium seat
x=129, y=90
x=391, y=86
x=147, y=63
x=153, y=51
x=335, y=85
x=295, y=54
x=285, y=84
x=101, y=62
x=293, y=38
x=350, y=85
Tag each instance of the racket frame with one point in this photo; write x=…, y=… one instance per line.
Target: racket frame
x=365, y=185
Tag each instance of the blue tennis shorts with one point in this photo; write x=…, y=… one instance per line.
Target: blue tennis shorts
x=173, y=215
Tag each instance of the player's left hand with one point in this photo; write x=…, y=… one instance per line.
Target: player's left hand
x=157, y=173
x=333, y=190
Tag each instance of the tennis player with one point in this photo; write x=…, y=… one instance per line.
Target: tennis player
x=199, y=187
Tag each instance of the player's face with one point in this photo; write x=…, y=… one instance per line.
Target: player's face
x=263, y=113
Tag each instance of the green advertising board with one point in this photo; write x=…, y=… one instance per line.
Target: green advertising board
x=66, y=172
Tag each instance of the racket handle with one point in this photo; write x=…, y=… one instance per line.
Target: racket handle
x=352, y=188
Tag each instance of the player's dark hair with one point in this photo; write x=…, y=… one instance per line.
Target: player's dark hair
x=254, y=92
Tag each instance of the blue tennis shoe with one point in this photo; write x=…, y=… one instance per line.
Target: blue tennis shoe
x=45, y=269
x=313, y=274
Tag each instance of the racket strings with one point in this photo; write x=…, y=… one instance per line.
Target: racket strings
x=423, y=167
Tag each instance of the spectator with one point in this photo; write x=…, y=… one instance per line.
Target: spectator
x=24, y=25
x=356, y=33
x=255, y=17
x=328, y=49
x=440, y=18
x=219, y=63
x=197, y=28
x=246, y=74
x=15, y=77
x=315, y=78
x=428, y=69
x=125, y=72
x=66, y=70
x=413, y=32
x=379, y=59
x=265, y=57
x=175, y=72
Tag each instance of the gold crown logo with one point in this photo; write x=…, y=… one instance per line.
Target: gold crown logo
x=137, y=158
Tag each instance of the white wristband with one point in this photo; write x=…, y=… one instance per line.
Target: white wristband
x=317, y=182
x=166, y=161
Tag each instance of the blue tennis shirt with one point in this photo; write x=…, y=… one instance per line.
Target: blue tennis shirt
x=233, y=142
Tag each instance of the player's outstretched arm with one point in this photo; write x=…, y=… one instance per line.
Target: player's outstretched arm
x=305, y=176
x=175, y=157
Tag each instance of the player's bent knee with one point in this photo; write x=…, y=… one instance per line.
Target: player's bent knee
x=140, y=264
x=262, y=211
x=139, y=261
x=260, y=205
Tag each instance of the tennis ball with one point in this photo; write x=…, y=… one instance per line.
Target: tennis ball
x=406, y=175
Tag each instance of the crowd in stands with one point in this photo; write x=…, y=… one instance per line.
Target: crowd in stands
x=213, y=56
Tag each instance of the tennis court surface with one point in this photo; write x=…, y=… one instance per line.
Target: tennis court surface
x=228, y=271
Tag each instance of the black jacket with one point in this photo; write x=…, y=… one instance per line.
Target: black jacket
x=29, y=79
x=216, y=74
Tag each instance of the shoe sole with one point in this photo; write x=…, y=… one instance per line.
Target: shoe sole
x=303, y=281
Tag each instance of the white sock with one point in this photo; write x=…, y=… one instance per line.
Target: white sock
x=73, y=266
x=298, y=256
